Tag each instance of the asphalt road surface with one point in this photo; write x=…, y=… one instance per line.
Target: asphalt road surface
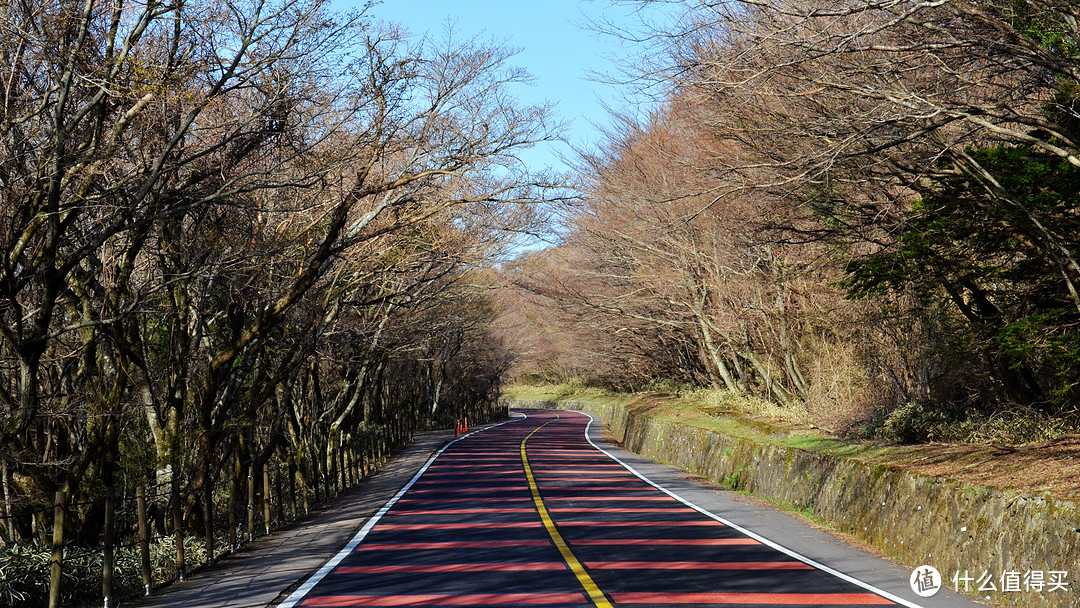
x=532, y=513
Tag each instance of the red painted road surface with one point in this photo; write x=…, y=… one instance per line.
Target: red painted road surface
x=471, y=532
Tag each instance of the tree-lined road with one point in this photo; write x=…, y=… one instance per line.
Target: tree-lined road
x=530, y=513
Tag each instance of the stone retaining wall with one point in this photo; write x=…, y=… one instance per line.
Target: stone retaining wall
x=914, y=518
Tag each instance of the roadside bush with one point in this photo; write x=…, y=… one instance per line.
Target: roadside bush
x=577, y=386
x=743, y=404
x=24, y=575
x=666, y=386
x=917, y=422
x=24, y=571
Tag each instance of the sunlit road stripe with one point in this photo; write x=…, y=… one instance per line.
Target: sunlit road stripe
x=464, y=511
x=781, y=599
x=457, y=462
x=609, y=498
x=586, y=488
x=465, y=469
x=554, y=467
x=603, y=479
x=579, y=571
x=487, y=454
x=432, y=599
x=460, y=526
x=456, y=487
x=613, y=510
x=442, y=568
x=472, y=475
x=698, y=566
x=463, y=525
x=690, y=542
x=637, y=524
x=436, y=501
x=452, y=544
x=472, y=490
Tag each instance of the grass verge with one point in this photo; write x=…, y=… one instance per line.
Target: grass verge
x=1051, y=467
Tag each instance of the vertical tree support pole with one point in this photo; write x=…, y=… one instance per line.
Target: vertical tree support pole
x=347, y=459
x=279, y=495
x=354, y=462
x=57, y=551
x=328, y=474
x=363, y=457
x=292, y=489
x=304, y=491
x=178, y=528
x=8, y=514
x=144, y=539
x=346, y=464
x=234, y=503
x=251, y=504
x=318, y=485
x=333, y=485
x=341, y=466
x=107, y=556
x=208, y=508
x=266, y=496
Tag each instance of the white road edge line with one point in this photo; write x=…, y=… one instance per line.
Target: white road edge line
x=755, y=536
x=303, y=590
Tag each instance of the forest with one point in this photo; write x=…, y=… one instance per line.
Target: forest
x=246, y=248
x=864, y=212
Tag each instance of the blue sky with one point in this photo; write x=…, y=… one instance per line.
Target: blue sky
x=556, y=50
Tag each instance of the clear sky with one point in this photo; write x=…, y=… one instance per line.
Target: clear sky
x=556, y=49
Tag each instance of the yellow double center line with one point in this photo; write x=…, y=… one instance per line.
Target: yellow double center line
x=583, y=577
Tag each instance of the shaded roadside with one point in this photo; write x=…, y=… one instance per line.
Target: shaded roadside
x=264, y=570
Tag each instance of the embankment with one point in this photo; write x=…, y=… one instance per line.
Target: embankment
x=916, y=519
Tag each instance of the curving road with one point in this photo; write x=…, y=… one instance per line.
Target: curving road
x=531, y=513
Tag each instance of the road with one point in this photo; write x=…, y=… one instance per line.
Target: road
x=531, y=513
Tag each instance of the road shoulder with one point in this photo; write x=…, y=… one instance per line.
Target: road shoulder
x=263, y=573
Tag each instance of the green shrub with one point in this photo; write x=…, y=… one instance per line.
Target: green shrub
x=918, y=422
x=25, y=571
x=744, y=404
x=666, y=386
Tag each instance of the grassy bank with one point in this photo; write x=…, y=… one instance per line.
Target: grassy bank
x=1049, y=467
